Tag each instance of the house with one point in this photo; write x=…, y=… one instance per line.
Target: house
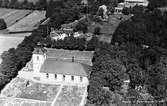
x=62, y=66
x=59, y=34
x=105, y=10
x=119, y=8
x=84, y=2
x=69, y=26
x=130, y=3
x=163, y=9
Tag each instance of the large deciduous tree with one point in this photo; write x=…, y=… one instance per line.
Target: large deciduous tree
x=2, y=24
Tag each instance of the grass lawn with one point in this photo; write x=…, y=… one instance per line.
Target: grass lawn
x=28, y=23
x=108, y=28
x=70, y=96
x=21, y=102
x=4, y=12
x=14, y=15
x=21, y=88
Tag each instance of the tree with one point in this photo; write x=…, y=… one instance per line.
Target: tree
x=101, y=13
x=92, y=44
x=5, y=3
x=14, y=60
x=44, y=30
x=156, y=82
x=2, y=24
x=136, y=74
x=56, y=20
x=3, y=81
x=9, y=62
x=13, y=4
x=154, y=4
x=41, y=4
x=119, y=1
x=97, y=31
x=126, y=11
x=24, y=4
x=81, y=26
x=108, y=71
x=133, y=96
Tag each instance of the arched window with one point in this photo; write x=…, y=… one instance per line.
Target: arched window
x=55, y=76
x=47, y=75
x=37, y=57
x=64, y=77
x=72, y=78
x=81, y=78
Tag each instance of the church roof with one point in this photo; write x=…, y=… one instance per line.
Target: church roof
x=66, y=68
x=84, y=57
x=135, y=1
x=39, y=50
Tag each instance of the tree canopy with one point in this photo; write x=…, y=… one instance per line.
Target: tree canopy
x=143, y=37
x=2, y=24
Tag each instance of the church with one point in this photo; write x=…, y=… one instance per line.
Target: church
x=62, y=66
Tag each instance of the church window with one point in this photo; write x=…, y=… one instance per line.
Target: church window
x=55, y=76
x=47, y=75
x=81, y=79
x=37, y=57
x=64, y=77
x=72, y=78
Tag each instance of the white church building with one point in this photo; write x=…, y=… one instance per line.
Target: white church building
x=62, y=66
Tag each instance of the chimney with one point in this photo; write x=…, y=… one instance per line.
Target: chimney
x=72, y=58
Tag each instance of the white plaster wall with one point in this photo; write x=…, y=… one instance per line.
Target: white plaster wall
x=67, y=79
x=77, y=79
x=85, y=80
x=51, y=77
x=37, y=63
x=36, y=67
x=43, y=76
x=59, y=77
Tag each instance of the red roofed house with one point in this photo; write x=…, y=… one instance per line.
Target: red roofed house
x=62, y=66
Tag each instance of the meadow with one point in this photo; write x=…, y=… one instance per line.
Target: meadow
x=11, y=16
x=29, y=22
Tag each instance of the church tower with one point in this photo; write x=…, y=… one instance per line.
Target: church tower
x=38, y=58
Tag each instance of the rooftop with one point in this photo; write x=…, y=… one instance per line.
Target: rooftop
x=39, y=50
x=84, y=57
x=66, y=68
x=136, y=1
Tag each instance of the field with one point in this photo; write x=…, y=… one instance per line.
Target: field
x=21, y=92
x=21, y=102
x=70, y=96
x=10, y=41
x=4, y=11
x=11, y=16
x=21, y=20
x=108, y=28
x=20, y=88
x=17, y=20
x=28, y=23
x=33, y=1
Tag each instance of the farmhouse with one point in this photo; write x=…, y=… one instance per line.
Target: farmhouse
x=62, y=66
x=130, y=3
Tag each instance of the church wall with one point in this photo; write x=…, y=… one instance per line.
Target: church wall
x=68, y=78
x=38, y=60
